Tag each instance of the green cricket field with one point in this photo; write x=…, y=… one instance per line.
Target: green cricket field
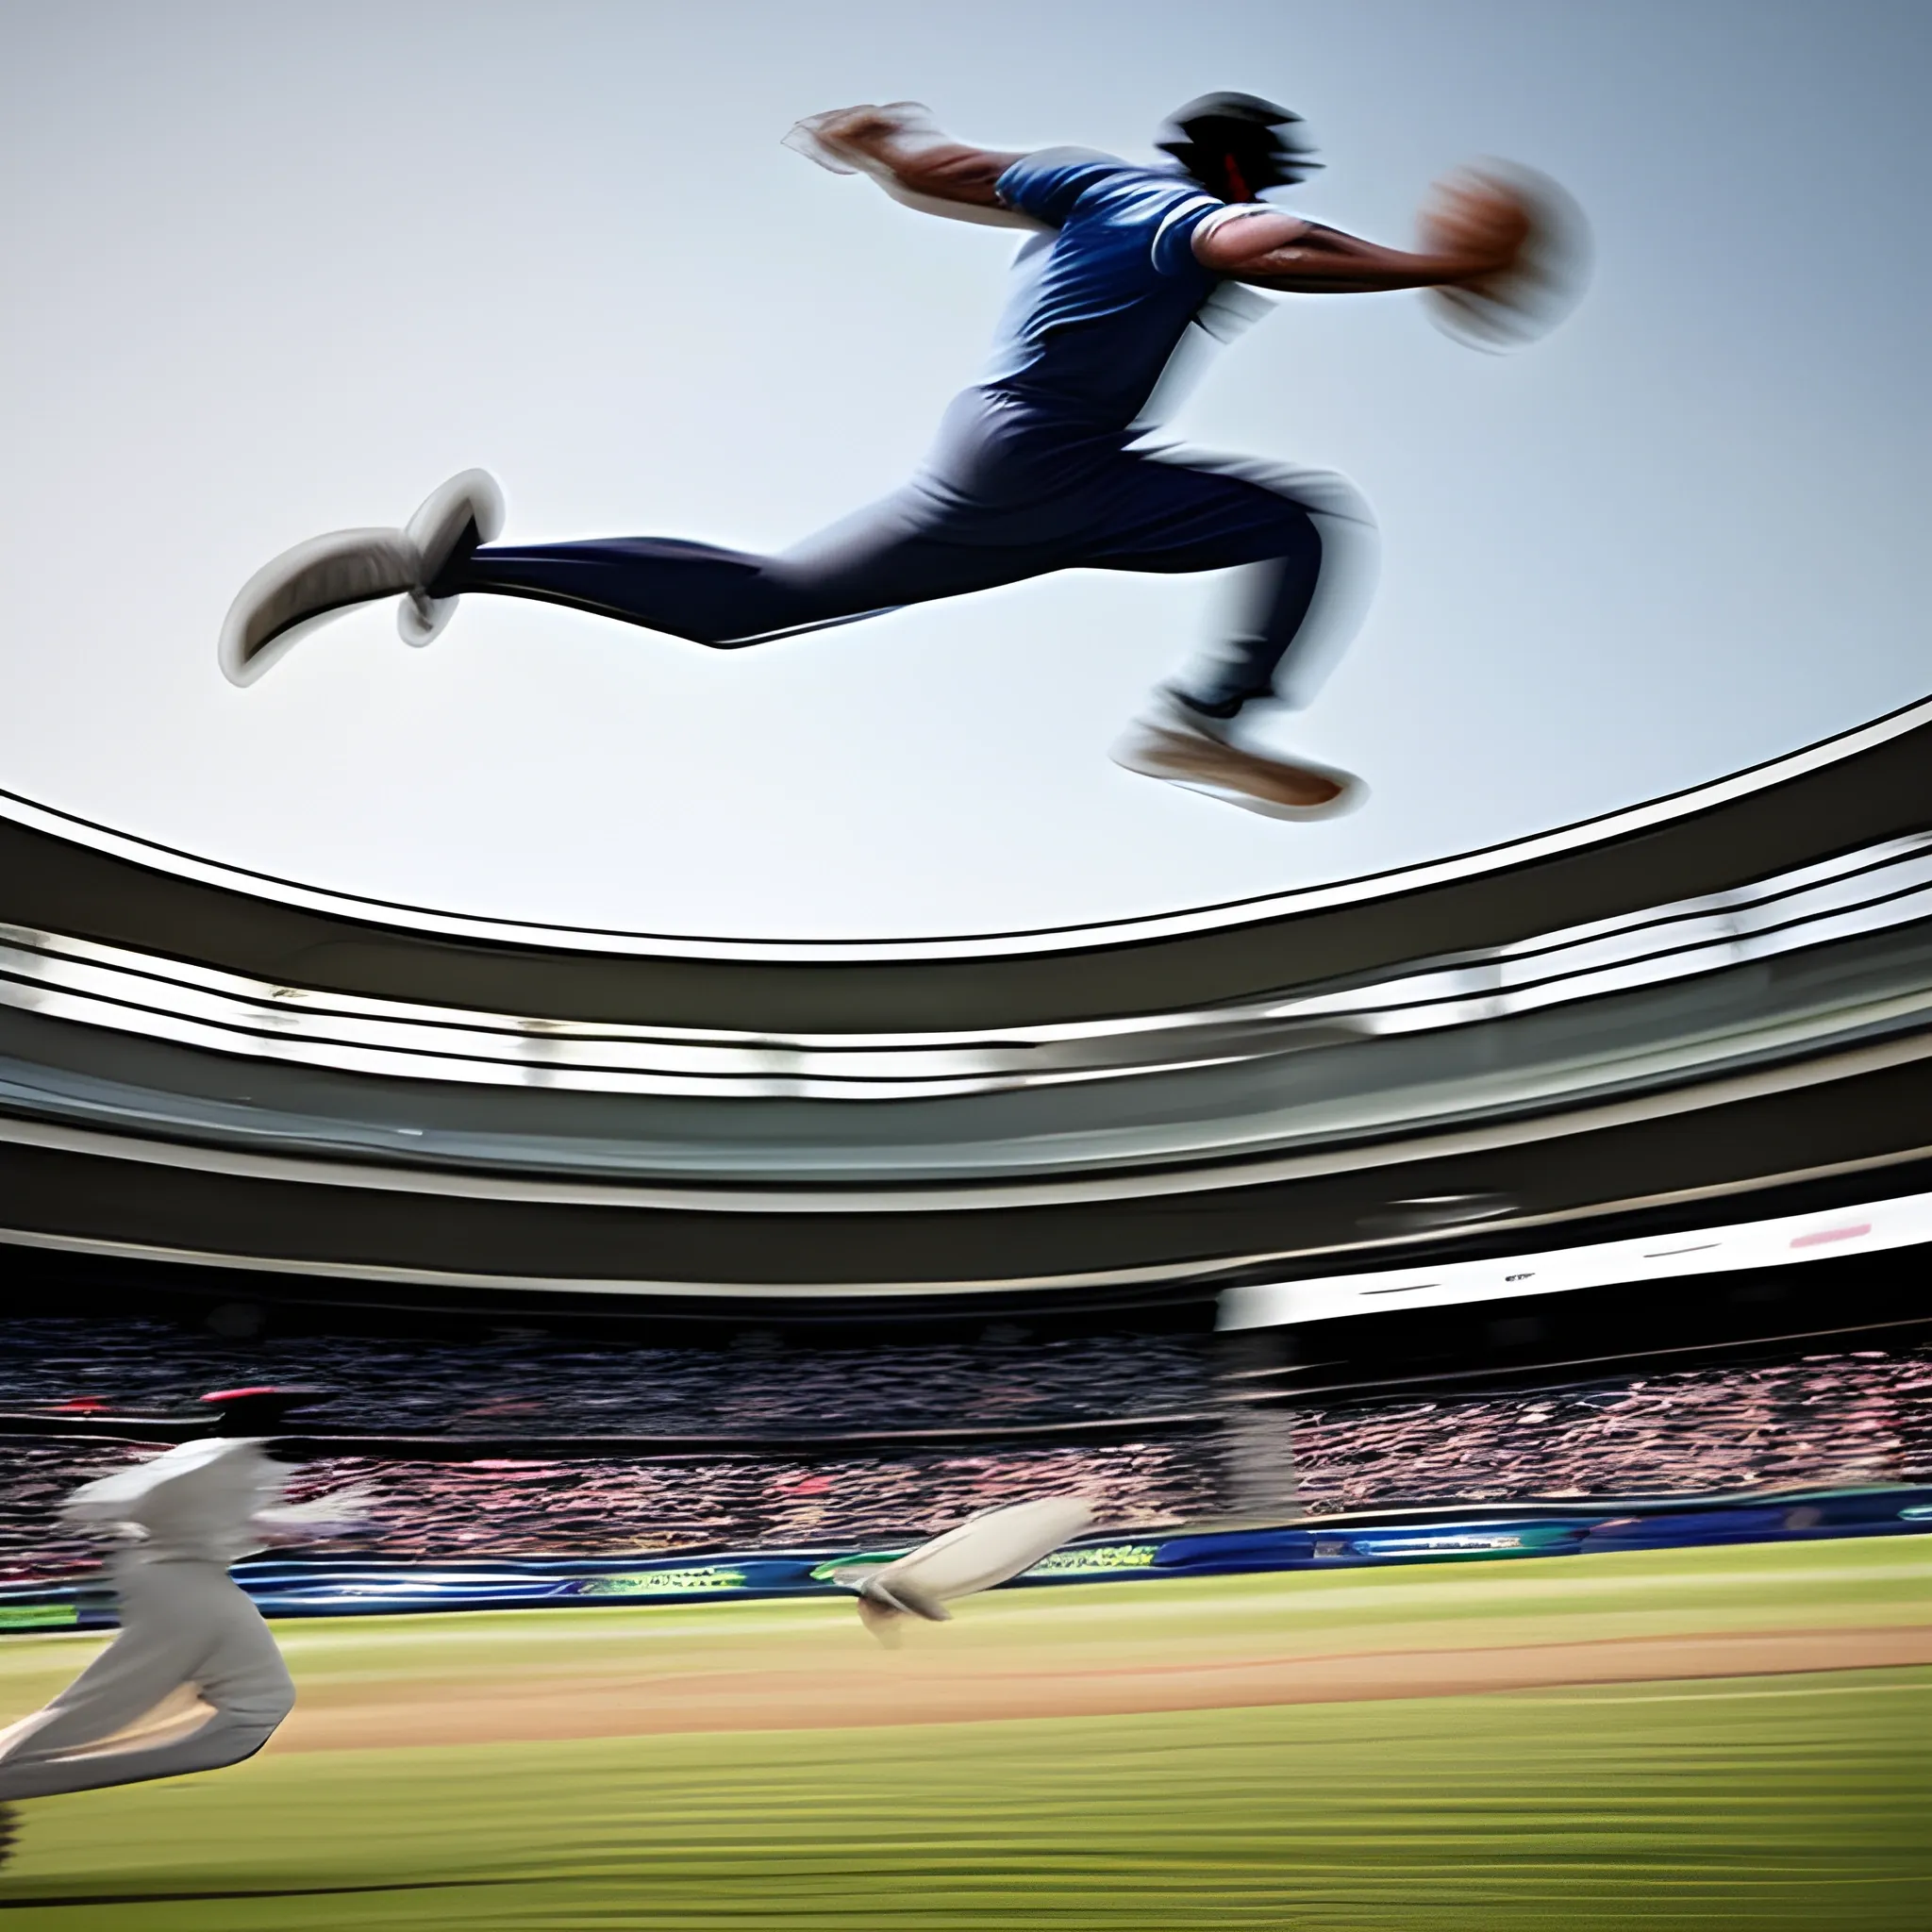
x=1732, y=1737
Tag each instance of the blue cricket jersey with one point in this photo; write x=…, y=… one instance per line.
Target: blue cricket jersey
x=1104, y=297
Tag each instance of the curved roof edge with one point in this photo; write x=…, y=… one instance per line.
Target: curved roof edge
x=61, y=876
x=1132, y=930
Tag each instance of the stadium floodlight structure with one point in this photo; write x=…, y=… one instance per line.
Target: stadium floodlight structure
x=1714, y=1007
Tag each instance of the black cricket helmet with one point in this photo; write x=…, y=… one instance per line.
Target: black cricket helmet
x=1238, y=145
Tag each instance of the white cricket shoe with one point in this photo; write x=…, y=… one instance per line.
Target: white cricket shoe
x=985, y=1550
x=304, y=588
x=467, y=509
x=1184, y=747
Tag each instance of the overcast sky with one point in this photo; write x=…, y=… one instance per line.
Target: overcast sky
x=272, y=271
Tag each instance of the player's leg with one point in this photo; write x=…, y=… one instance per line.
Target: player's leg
x=146, y=1663
x=241, y=1674
x=916, y=547
x=698, y=592
x=1294, y=548
x=1298, y=610
x=184, y=1624
x=909, y=549
x=1275, y=598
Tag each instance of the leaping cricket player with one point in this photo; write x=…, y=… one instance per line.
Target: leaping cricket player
x=1044, y=464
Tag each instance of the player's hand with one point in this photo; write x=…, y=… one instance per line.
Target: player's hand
x=838, y=127
x=1478, y=219
x=859, y=135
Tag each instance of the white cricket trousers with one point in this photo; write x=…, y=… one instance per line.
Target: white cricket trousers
x=182, y=1624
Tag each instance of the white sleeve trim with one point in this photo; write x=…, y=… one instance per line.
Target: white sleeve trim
x=1176, y=211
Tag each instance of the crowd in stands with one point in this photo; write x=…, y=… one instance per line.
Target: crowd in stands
x=1845, y=1418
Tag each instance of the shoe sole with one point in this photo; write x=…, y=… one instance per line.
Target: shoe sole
x=1227, y=787
x=1351, y=798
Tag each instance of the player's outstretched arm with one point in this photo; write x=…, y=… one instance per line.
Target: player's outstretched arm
x=904, y=150
x=1473, y=231
x=346, y=1511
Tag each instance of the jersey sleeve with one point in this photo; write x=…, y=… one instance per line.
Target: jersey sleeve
x=1047, y=184
x=118, y=1498
x=1189, y=210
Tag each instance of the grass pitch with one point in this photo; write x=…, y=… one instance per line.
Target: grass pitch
x=1800, y=1798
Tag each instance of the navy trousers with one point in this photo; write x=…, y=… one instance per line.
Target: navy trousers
x=1010, y=491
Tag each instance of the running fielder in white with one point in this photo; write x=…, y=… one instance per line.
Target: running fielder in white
x=185, y=1623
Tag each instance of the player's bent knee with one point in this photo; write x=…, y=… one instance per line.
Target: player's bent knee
x=245, y=1744
x=261, y=1709
x=272, y=1708
x=236, y=1736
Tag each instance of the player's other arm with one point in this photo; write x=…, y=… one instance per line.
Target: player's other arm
x=1472, y=230
x=900, y=146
